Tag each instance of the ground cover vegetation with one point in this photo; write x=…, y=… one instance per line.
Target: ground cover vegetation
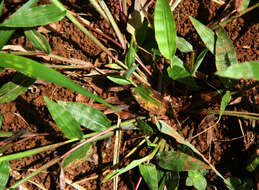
x=163, y=74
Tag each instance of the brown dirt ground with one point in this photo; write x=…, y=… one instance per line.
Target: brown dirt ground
x=28, y=111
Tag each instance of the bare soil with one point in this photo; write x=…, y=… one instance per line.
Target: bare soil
x=225, y=145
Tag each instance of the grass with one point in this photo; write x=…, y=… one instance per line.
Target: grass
x=171, y=163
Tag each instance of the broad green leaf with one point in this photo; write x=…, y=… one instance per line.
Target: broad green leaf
x=132, y=165
x=37, y=40
x=63, y=118
x=198, y=180
x=36, y=16
x=6, y=33
x=119, y=79
x=199, y=61
x=224, y=102
x=150, y=175
x=145, y=127
x=225, y=51
x=130, y=71
x=4, y=173
x=1, y=7
x=165, y=29
x=77, y=157
x=130, y=55
x=183, y=45
x=246, y=70
x=87, y=116
x=177, y=71
x=17, y=86
x=206, y=34
x=172, y=180
x=37, y=70
x=178, y=161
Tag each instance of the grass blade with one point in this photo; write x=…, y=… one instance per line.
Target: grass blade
x=6, y=33
x=37, y=70
x=4, y=173
x=199, y=61
x=1, y=7
x=246, y=70
x=183, y=45
x=17, y=86
x=87, y=116
x=35, y=16
x=206, y=34
x=131, y=53
x=225, y=51
x=119, y=79
x=224, y=102
x=165, y=29
x=38, y=40
x=63, y=118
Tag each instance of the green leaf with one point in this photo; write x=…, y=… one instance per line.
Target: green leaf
x=11, y=90
x=150, y=175
x=199, y=61
x=87, y=116
x=178, y=161
x=206, y=34
x=63, y=118
x=0, y=120
x=225, y=51
x=37, y=40
x=4, y=173
x=130, y=55
x=145, y=127
x=245, y=4
x=183, y=45
x=165, y=29
x=224, y=102
x=132, y=165
x=246, y=70
x=1, y=7
x=199, y=181
x=172, y=180
x=37, y=70
x=36, y=16
x=236, y=183
x=6, y=33
x=177, y=71
x=253, y=164
x=119, y=80
x=78, y=156
x=130, y=71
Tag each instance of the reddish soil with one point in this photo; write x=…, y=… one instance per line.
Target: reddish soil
x=220, y=144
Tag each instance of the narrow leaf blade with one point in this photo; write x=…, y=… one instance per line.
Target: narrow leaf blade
x=165, y=29
x=37, y=70
x=11, y=90
x=206, y=34
x=199, y=61
x=224, y=102
x=37, y=40
x=1, y=7
x=119, y=80
x=87, y=116
x=36, y=16
x=183, y=45
x=4, y=173
x=65, y=121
